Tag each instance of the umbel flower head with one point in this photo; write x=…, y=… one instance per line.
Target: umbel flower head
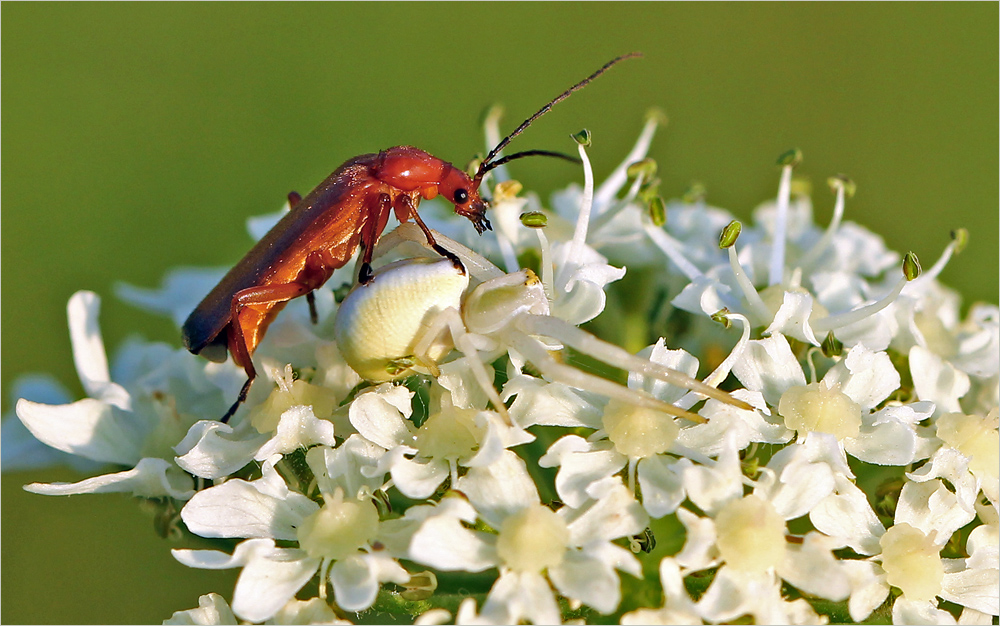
x=440, y=445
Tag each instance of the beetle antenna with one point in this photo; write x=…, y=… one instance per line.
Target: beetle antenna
x=527, y=153
x=485, y=166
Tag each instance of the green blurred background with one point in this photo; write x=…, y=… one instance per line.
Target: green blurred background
x=138, y=137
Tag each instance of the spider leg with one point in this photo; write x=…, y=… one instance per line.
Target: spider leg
x=613, y=355
x=539, y=356
x=451, y=320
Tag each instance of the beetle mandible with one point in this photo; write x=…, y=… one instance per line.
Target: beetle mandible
x=322, y=231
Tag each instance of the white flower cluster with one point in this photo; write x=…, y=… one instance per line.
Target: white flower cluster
x=481, y=474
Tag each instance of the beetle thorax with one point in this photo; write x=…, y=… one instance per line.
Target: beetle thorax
x=410, y=169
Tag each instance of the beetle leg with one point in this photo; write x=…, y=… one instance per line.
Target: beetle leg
x=377, y=215
x=294, y=198
x=317, y=270
x=311, y=300
x=408, y=204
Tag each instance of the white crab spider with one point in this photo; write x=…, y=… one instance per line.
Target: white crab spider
x=412, y=311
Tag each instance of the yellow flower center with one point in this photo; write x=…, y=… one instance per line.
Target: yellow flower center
x=532, y=540
x=451, y=434
x=339, y=529
x=638, y=432
x=974, y=436
x=750, y=534
x=911, y=562
x=817, y=408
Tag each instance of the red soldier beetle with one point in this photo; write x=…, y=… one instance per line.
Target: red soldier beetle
x=322, y=231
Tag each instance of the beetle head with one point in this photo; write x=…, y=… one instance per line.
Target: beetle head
x=463, y=192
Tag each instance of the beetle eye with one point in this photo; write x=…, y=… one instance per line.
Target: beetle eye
x=461, y=196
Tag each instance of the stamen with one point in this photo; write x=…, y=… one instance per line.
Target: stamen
x=603, y=217
x=324, y=575
x=609, y=188
x=548, y=284
x=777, y=271
x=491, y=128
x=672, y=248
x=950, y=250
x=843, y=186
x=812, y=366
x=586, y=204
x=754, y=301
x=840, y=320
x=722, y=371
x=507, y=252
x=586, y=343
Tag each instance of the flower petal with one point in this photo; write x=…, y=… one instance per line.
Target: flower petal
x=661, y=481
x=88, y=351
x=443, y=542
x=237, y=508
x=212, y=609
x=89, y=428
x=846, y=515
x=298, y=428
x=588, y=580
x=379, y=415
x=213, y=450
x=499, y=489
x=516, y=596
x=150, y=478
x=768, y=366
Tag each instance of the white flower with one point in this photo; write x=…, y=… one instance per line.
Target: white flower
x=571, y=547
x=339, y=539
x=907, y=556
x=133, y=424
x=420, y=459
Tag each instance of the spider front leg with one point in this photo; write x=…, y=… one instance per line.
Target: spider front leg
x=538, y=354
x=613, y=355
